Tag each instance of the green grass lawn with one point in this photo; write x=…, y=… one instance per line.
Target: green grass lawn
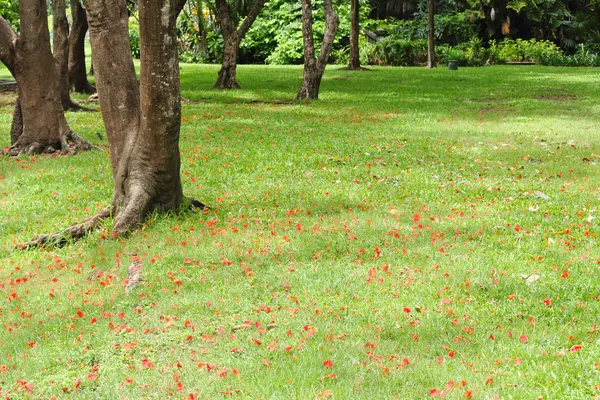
x=414, y=233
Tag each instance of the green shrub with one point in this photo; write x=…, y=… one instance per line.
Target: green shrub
x=276, y=36
x=471, y=53
x=398, y=52
x=520, y=50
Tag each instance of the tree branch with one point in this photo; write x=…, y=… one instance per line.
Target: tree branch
x=331, y=25
x=76, y=231
x=307, y=32
x=8, y=38
x=249, y=20
x=223, y=18
x=178, y=6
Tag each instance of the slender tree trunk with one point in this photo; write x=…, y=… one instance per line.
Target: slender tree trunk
x=78, y=81
x=226, y=79
x=354, y=35
x=431, y=63
x=60, y=40
x=314, y=67
x=201, y=33
x=310, y=83
x=232, y=39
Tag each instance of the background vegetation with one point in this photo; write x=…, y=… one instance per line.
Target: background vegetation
x=474, y=32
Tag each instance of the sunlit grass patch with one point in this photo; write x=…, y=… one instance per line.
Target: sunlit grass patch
x=413, y=233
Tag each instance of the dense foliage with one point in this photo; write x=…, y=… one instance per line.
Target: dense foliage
x=10, y=11
x=476, y=32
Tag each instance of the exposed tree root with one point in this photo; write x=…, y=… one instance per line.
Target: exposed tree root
x=76, y=144
x=227, y=85
x=125, y=223
x=193, y=203
x=77, y=231
x=71, y=144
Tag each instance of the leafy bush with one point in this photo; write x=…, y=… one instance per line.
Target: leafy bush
x=10, y=12
x=524, y=50
x=583, y=57
x=451, y=28
x=277, y=39
x=398, y=52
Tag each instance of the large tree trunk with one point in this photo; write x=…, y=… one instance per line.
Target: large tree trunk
x=153, y=180
x=78, y=81
x=142, y=128
x=115, y=78
x=232, y=38
x=226, y=79
x=39, y=123
x=431, y=34
x=354, y=34
x=142, y=122
x=314, y=68
x=44, y=128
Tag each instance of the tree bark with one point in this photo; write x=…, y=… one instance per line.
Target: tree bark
x=431, y=63
x=314, y=67
x=226, y=79
x=311, y=83
x=60, y=40
x=231, y=41
x=116, y=81
x=354, y=35
x=16, y=128
x=8, y=39
x=78, y=81
x=142, y=124
x=42, y=126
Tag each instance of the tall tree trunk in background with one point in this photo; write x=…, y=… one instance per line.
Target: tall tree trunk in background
x=201, y=27
x=78, y=81
x=40, y=126
x=60, y=44
x=314, y=67
x=354, y=34
x=142, y=124
x=431, y=63
x=231, y=41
